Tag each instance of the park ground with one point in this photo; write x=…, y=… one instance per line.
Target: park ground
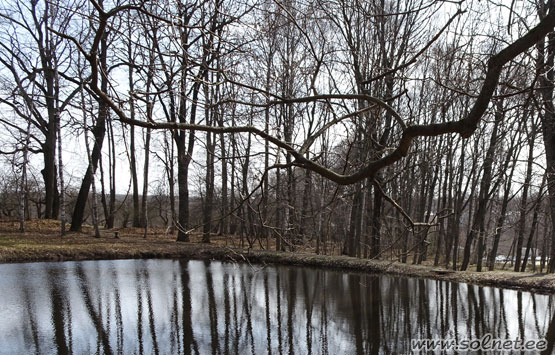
x=42, y=242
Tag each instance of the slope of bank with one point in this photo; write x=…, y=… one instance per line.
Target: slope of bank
x=42, y=245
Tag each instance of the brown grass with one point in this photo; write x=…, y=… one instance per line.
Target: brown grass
x=42, y=242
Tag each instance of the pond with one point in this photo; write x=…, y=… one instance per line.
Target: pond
x=201, y=307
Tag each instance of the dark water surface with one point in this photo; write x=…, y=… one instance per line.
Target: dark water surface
x=179, y=306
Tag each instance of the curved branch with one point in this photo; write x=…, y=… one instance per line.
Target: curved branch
x=305, y=99
x=465, y=127
x=420, y=52
x=311, y=138
x=399, y=208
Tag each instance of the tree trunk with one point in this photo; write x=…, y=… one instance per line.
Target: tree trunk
x=98, y=135
x=210, y=118
x=224, y=223
x=144, y=199
x=133, y=161
x=376, y=225
x=546, y=84
x=478, y=225
x=442, y=207
x=523, y=206
x=49, y=147
x=352, y=240
x=61, y=174
x=112, y=178
x=183, y=191
x=209, y=197
x=536, y=212
x=184, y=158
x=23, y=186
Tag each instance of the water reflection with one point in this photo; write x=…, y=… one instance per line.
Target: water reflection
x=196, y=307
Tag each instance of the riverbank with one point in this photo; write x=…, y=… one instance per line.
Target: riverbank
x=43, y=243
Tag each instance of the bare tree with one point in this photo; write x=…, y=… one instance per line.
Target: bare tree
x=35, y=57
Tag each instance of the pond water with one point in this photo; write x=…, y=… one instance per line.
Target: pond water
x=198, y=307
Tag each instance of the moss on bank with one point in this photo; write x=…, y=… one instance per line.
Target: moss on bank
x=43, y=243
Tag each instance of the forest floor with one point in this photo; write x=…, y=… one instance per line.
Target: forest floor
x=42, y=242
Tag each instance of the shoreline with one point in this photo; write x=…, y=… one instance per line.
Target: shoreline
x=111, y=249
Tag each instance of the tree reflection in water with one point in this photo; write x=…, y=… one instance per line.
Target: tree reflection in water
x=194, y=307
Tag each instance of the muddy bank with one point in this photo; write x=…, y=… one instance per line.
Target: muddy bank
x=540, y=283
x=87, y=248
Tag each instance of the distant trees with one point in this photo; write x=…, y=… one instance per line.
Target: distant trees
x=398, y=130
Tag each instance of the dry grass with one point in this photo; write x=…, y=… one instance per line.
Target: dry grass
x=42, y=242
